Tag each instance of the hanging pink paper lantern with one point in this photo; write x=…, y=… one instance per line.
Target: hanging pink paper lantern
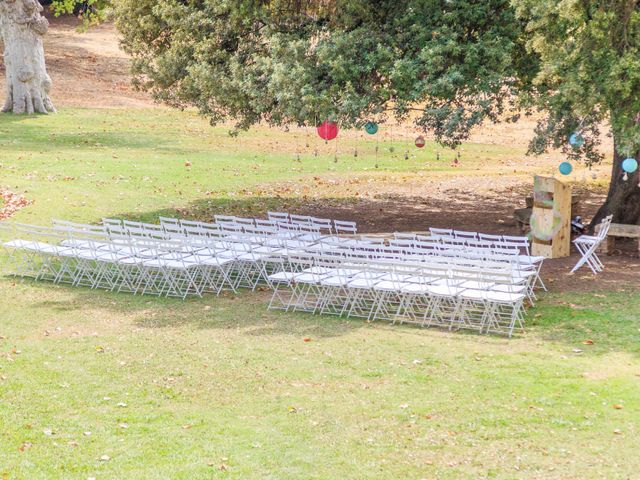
x=420, y=142
x=328, y=130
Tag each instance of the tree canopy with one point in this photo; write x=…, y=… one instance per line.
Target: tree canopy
x=452, y=64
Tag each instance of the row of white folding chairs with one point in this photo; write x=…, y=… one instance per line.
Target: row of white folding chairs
x=326, y=224
x=504, y=244
x=481, y=258
x=180, y=267
x=252, y=248
x=444, y=233
x=482, y=299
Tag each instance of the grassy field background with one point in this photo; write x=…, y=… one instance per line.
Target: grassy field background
x=101, y=385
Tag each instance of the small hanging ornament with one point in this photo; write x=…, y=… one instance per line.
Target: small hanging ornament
x=371, y=128
x=565, y=168
x=629, y=165
x=625, y=177
x=328, y=130
x=420, y=142
x=576, y=140
x=406, y=155
x=355, y=152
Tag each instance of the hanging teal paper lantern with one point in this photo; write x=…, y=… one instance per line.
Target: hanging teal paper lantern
x=565, y=168
x=576, y=140
x=629, y=165
x=371, y=128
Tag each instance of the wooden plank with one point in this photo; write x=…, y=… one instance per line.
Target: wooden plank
x=562, y=204
x=552, y=212
x=618, y=230
x=622, y=230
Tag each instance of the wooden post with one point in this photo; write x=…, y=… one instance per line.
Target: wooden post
x=551, y=218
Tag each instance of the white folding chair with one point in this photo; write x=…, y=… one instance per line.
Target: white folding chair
x=588, y=244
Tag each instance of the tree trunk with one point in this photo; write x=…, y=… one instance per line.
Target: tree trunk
x=28, y=84
x=623, y=200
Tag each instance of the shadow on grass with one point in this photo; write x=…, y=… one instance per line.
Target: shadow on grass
x=610, y=325
x=245, y=311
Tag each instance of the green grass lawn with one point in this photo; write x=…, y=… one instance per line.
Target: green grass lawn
x=221, y=388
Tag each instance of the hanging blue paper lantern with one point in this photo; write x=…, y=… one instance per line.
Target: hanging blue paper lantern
x=629, y=165
x=576, y=140
x=371, y=128
x=565, y=168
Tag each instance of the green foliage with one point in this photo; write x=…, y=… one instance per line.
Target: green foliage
x=353, y=62
x=590, y=70
x=90, y=11
x=456, y=63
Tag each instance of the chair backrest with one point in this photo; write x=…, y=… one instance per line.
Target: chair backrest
x=112, y=221
x=325, y=224
x=489, y=237
x=300, y=219
x=342, y=226
x=441, y=232
x=463, y=234
x=278, y=216
x=224, y=218
x=168, y=221
x=604, y=226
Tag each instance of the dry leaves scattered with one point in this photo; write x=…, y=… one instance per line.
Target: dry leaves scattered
x=11, y=203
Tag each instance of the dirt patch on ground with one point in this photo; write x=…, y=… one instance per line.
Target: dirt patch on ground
x=476, y=203
x=88, y=69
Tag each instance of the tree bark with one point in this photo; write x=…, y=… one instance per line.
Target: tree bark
x=623, y=199
x=22, y=27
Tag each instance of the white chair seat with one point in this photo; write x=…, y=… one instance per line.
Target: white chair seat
x=473, y=285
x=361, y=283
x=284, y=277
x=443, y=290
x=509, y=288
x=415, y=288
x=318, y=270
x=307, y=278
x=214, y=261
x=334, y=281
x=388, y=285
x=586, y=239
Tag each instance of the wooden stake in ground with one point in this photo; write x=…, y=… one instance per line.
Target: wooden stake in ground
x=22, y=27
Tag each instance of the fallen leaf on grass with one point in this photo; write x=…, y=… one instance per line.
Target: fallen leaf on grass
x=306, y=339
x=25, y=446
x=588, y=342
x=618, y=406
x=105, y=458
x=617, y=431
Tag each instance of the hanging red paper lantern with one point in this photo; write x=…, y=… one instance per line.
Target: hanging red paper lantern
x=328, y=130
x=420, y=142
